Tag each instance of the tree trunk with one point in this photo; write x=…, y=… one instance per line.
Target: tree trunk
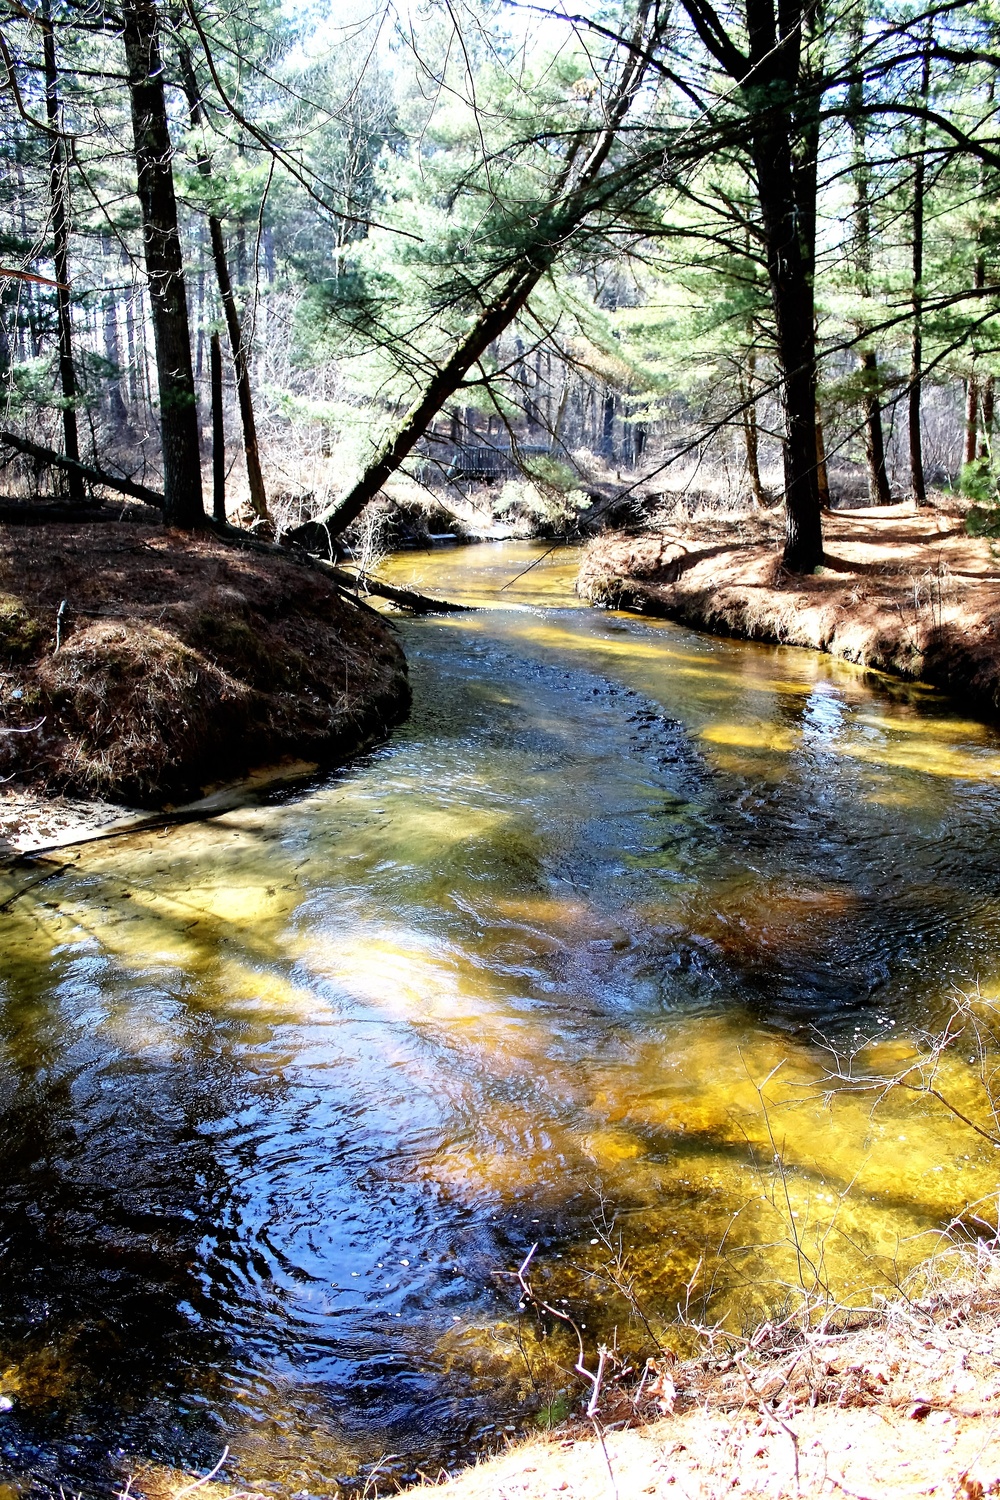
x=751, y=437
x=608, y=425
x=93, y=475
x=989, y=404
x=440, y=388
x=972, y=386
x=918, y=484
x=822, y=476
x=59, y=197
x=218, y=433
x=782, y=104
x=164, y=268
x=878, y=479
x=130, y=343
x=792, y=301
x=971, y=418
x=112, y=353
x=241, y=354
x=871, y=404
x=567, y=207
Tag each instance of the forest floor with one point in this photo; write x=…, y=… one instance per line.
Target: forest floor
x=903, y=590
x=904, y=1403
x=140, y=666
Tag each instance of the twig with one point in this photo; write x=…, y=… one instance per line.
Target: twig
x=553, y=1312
x=190, y=1488
x=25, y=729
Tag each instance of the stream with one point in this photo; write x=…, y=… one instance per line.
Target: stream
x=287, y=1097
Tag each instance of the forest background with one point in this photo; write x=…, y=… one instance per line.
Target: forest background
x=742, y=251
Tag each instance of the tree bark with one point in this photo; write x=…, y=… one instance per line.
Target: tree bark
x=88, y=472
x=971, y=418
x=988, y=409
x=59, y=196
x=918, y=484
x=183, y=505
x=780, y=113
x=751, y=437
x=878, y=479
x=218, y=433
x=822, y=475
x=972, y=385
x=241, y=354
x=792, y=301
x=871, y=404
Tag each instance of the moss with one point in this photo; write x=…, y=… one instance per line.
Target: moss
x=21, y=633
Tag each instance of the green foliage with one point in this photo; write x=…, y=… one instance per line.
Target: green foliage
x=980, y=481
x=554, y=1411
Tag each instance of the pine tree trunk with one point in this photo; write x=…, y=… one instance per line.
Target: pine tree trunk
x=59, y=198
x=566, y=209
x=822, y=475
x=112, y=353
x=989, y=405
x=183, y=505
x=871, y=405
x=792, y=301
x=972, y=386
x=918, y=484
x=218, y=433
x=241, y=354
x=751, y=437
x=608, y=425
x=878, y=479
x=971, y=418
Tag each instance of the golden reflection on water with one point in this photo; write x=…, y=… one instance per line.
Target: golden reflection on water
x=562, y=955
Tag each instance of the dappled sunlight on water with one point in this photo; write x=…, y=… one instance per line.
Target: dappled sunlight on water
x=286, y=1096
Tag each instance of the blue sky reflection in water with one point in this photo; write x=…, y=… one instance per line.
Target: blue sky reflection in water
x=286, y=1095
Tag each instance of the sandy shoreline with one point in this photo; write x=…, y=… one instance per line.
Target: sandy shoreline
x=904, y=591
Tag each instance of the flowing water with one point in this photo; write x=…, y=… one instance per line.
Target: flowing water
x=287, y=1096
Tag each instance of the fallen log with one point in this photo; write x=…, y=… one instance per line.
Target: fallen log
x=421, y=604
x=28, y=513
x=54, y=460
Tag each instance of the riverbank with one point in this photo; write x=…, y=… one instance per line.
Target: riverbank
x=903, y=590
x=903, y=1401
x=140, y=667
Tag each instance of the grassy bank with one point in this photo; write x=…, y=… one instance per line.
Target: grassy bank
x=903, y=590
x=139, y=666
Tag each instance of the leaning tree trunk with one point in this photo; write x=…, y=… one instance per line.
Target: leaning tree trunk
x=164, y=268
x=575, y=191
x=59, y=196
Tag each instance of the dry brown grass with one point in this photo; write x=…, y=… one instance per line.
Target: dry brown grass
x=903, y=1400
x=904, y=590
x=138, y=664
